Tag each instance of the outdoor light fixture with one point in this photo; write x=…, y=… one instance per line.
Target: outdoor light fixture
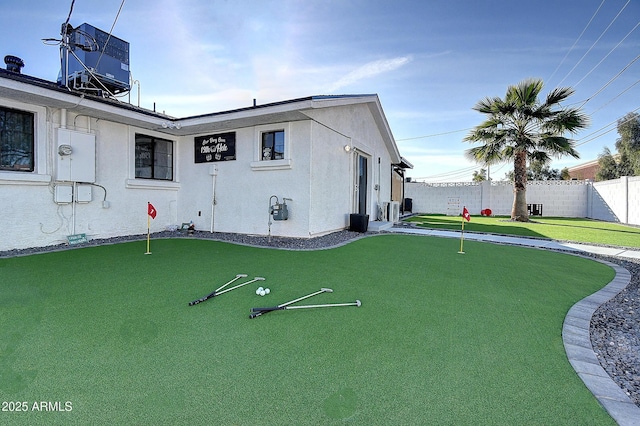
x=347, y=148
x=171, y=125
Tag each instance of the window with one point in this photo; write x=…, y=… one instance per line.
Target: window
x=273, y=145
x=154, y=158
x=16, y=140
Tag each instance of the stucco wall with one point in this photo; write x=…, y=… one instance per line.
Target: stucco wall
x=317, y=177
x=30, y=216
x=333, y=169
x=242, y=192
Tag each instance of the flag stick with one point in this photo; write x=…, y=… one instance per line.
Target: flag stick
x=462, y=237
x=148, y=230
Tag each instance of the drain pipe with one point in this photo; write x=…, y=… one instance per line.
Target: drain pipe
x=214, y=174
x=270, y=211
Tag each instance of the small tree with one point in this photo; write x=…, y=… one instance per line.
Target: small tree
x=479, y=176
x=607, y=166
x=627, y=161
x=628, y=144
x=564, y=174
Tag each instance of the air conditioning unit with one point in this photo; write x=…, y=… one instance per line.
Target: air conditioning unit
x=394, y=212
x=96, y=61
x=385, y=211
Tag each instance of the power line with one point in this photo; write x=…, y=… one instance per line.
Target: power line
x=434, y=135
x=616, y=97
x=601, y=131
x=70, y=12
x=610, y=81
x=594, y=43
x=110, y=32
x=576, y=42
x=607, y=55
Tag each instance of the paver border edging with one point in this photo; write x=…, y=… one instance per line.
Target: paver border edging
x=577, y=345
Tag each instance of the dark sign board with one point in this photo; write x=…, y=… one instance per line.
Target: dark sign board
x=211, y=148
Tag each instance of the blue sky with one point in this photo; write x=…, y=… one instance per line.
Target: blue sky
x=429, y=61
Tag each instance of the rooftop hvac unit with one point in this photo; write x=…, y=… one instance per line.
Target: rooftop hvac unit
x=96, y=61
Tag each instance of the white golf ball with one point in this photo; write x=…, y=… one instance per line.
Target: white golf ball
x=267, y=291
x=259, y=290
x=262, y=293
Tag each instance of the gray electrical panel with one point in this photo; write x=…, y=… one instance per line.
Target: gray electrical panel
x=76, y=156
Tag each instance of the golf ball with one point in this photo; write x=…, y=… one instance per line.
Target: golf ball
x=267, y=291
x=262, y=293
x=259, y=290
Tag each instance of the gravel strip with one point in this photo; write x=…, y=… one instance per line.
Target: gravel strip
x=615, y=333
x=615, y=326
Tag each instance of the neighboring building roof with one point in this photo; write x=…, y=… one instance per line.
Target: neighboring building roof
x=587, y=170
x=584, y=171
x=37, y=91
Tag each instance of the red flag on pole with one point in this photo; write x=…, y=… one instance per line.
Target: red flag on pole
x=466, y=215
x=151, y=211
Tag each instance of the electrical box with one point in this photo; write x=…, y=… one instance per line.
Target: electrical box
x=83, y=194
x=76, y=156
x=63, y=194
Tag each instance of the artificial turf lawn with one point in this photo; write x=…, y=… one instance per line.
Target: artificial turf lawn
x=555, y=228
x=440, y=338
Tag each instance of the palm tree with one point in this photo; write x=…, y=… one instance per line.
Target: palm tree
x=521, y=129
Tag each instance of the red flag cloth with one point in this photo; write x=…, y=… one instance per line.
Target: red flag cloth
x=151, y=211
x=466, y=215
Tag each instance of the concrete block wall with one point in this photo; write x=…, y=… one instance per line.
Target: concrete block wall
x=609, y=201
x=605, y=201
x=559, y=198
x=434, y=198
x=616, y=200
x=634, y=200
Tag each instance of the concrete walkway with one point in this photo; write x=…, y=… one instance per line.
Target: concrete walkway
x=521, y=241
x=575, y=330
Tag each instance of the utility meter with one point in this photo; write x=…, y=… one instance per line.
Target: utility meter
x=278, y=210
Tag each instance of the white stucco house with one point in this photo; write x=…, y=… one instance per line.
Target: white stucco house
x=73, y=163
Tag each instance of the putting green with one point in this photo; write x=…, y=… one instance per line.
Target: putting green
x=105, y=334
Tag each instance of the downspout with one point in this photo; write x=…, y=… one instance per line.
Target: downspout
x=63, y=125
x=214, y=174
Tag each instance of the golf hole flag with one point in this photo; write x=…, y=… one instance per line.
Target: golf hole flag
x=151, y=214
x=465, y=216
x=151, y=210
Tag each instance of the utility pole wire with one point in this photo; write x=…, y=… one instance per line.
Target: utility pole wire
x=576, y=42
x=595, y=42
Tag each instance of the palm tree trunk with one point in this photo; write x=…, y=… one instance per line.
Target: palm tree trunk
x=519, y=210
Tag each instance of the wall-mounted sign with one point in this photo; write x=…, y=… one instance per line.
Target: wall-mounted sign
x=211, y=148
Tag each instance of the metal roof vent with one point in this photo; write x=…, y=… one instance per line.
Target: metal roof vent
x=14, y=64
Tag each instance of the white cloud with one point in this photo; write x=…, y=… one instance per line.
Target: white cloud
x=369, y=70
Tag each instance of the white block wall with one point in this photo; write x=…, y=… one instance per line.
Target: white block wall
x=616, y=200
x=634, y=201
x=613, y=201
x=559, y=198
